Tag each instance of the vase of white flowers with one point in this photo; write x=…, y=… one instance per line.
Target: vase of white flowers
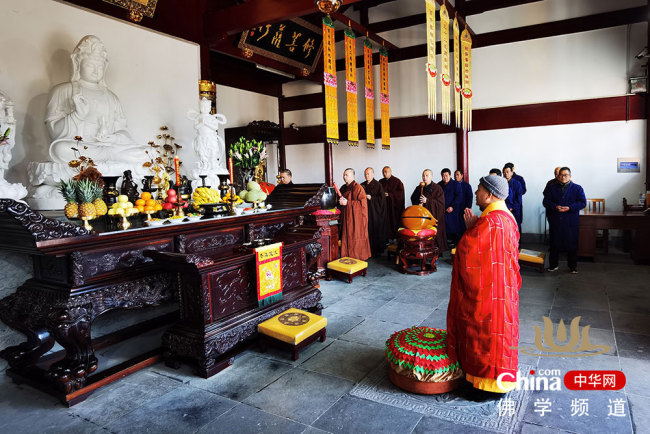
x=246, y=155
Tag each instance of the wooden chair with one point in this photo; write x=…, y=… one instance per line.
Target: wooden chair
x=597, y=206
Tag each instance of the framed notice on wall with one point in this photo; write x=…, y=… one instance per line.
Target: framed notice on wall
x=294, y=42
x=628, y=165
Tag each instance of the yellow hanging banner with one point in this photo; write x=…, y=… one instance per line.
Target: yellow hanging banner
x=457, y=86
x=445, y=78
x=385, y=115
x=466, y=91
x=268, y=266
x=432, y=72
x=351, y=87
x=370, y=94
x=329, y=80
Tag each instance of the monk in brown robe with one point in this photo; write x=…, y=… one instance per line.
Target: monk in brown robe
x=394, y=191
x=433, y=199
x=354, y=219
x=377, y=214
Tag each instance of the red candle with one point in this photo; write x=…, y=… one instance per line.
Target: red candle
x=230, y=169
x=178, y=172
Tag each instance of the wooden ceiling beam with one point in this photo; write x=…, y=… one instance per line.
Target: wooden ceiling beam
x=361, y=30
x=563, y=27
x=479, y=6
x=236, y=19
x=556, y=28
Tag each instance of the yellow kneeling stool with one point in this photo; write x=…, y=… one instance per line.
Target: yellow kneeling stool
x=532, y=258
x=293, y=329
x=347, y=268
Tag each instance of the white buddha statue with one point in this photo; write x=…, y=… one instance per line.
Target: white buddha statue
x=85, y=107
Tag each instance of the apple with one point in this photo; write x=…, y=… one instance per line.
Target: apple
x=185, y=204
x=171, y=199
x=171, y=192
x=167, y=206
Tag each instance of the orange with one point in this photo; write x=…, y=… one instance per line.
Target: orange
x=158, y=207
x=140, y=202
x=149, y=208
x=140, y=208
x=150, y=202
x=145, y=195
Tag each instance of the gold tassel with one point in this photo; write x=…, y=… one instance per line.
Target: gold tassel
x=445, y=78
x=385, y=116
x=351, y=87
x=329, y=79
x=457, y=85
x=370, y=94
x=431, y=70
x=466, y=92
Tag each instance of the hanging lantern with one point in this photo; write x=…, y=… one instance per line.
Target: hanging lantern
x=247, y=52
x=328, y=6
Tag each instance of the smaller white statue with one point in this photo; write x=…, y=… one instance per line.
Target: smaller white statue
x=8, y=124
x=207, y=143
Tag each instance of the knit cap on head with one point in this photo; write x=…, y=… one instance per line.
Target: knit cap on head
x=496, y=185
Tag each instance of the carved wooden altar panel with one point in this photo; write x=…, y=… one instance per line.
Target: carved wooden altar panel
x=232, y=291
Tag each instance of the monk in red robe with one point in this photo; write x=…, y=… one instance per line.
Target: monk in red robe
x=483, y=313
x=394, y=191
x=354, y=219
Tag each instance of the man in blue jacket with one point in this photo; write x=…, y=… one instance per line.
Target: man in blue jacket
x=563, y=202
x=468, y=195
x=514, y=199
x=454, y=208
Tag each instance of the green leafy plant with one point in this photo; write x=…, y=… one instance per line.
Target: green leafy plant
x=247, y=154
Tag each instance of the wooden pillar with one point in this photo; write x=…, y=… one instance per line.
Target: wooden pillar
x=462, y=152
x=327, y=150
x=281, y=150
x=647, y=127
x=206, y=70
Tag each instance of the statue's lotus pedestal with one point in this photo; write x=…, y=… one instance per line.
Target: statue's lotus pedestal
x=46, y=176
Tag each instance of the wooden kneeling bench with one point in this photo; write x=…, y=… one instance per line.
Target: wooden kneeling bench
x=346, y=268
x=293, y=330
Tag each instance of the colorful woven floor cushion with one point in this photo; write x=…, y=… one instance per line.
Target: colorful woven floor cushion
x=420, y=353
x=292, y=326
x=347, y=265
x=420, y=233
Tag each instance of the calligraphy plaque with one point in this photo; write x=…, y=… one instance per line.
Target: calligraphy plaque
x=294, y=42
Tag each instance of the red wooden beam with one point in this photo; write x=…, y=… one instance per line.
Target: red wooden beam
x=563, y=27
x=302, y=102
x=363, y=31
x=253, y=13
x=610, y=109
x=400, y=23
x=479, y=6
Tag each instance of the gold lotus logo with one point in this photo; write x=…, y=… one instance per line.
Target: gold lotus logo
x=573, y=345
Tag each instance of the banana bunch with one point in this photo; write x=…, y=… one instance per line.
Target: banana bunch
x=203, y=195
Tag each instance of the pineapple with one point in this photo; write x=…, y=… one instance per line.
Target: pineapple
x=100, y=205
x=85, y=196
x=67, y=190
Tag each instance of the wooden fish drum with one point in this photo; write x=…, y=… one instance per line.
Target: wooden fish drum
x=418, y=217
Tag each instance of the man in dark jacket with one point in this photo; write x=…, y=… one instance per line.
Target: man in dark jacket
x=563, y=202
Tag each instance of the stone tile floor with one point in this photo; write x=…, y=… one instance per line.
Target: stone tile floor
x=268, y=393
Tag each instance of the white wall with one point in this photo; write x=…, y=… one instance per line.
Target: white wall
x=590, y=150
x=155, y=76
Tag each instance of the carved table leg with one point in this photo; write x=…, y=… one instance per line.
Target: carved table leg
x=71, y=328
x=20, y=312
